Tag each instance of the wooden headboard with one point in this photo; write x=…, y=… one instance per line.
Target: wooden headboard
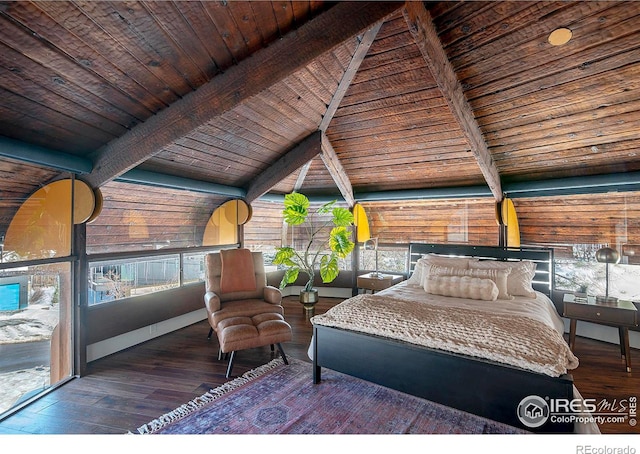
x=542, y=257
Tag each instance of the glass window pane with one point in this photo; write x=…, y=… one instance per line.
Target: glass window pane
x=173, y=219
x=35, y=331
x=116, y=279
x=193, y=269
x=577, y=270
x=391, y=259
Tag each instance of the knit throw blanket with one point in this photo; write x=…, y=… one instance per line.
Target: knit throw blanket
x=517, y=341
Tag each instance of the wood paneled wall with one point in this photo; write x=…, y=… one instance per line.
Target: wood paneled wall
x=434, y=221
x=136, y=217
x=559, y=221
x=611, y=218
x=264, y=230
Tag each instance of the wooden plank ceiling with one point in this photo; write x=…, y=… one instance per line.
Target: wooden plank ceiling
x=373, y=97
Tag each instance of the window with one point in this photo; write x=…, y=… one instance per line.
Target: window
x=392, y=258
x=116, y=278
x=35, y=330
x=193, y=267
x=577, y=270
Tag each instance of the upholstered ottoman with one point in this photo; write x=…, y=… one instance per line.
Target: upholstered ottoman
x=241, y=333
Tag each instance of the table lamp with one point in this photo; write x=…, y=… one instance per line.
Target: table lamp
x=372, y=244
x=607, y=255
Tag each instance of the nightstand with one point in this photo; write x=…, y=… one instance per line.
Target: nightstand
x=382, y=281
x=621, y=314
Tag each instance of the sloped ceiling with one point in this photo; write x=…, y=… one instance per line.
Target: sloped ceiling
x=341, y=98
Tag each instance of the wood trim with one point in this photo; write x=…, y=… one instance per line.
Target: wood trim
x=426, y=37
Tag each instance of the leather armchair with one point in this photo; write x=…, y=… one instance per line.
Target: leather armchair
x=247, y=303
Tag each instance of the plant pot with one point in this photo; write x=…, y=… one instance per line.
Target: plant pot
x=309, y=298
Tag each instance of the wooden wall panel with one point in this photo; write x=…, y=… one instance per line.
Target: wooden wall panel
x=612, y=218
x=136, y=217
x=264, y=231
x=560, y=222
x=434, y=221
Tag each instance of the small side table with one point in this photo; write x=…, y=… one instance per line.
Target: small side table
x=371, y=282
x=621, y=314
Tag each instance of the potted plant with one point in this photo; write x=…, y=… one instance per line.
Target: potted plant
x=319, y=253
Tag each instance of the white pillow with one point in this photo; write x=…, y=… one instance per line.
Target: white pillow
x=498, y=276
x=519, y=281
x=461, y=287
x=415, y=280
x=441, y=260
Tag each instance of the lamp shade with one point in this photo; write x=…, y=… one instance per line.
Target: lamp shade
x=371, y=244
x=607, y=255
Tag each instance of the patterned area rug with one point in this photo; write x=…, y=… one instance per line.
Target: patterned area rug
x=276, y=398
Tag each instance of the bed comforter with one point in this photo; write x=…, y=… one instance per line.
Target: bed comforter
x=524, y=332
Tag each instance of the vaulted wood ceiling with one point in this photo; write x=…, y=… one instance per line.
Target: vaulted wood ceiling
x=331, y=98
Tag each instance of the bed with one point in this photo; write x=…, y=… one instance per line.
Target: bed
x=383, y=338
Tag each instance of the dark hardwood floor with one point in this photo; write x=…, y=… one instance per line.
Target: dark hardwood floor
x=128, y=389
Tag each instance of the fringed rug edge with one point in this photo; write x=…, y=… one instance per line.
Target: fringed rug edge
x=210, y=396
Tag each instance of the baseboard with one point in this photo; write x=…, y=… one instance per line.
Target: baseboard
x=115, y=344
x=327, y=292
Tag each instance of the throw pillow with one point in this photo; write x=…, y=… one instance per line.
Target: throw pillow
x=520, y=279
x=498, y=276
x=461, y=287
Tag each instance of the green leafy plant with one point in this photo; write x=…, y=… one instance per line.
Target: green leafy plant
x=296, y=213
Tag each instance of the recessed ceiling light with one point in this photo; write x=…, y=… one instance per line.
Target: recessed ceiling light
x=560, y=36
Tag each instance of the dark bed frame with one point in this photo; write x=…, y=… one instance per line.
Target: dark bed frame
x=485, y=388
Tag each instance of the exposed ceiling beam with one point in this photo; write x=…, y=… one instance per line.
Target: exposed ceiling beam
x=225, y=91
x=329, y=156
x=364, y=43
x=304, y=152
x=426, y=37
x=301, y=176
x=333, y=165
x=358, y=57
